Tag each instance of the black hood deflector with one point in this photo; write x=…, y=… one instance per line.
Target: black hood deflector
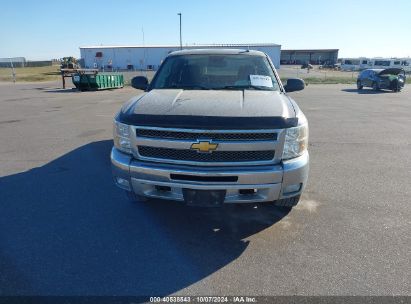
x=207, y=122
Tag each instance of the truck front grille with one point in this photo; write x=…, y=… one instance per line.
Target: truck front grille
x=226, y=136
x=216, y=156
x=233, y=147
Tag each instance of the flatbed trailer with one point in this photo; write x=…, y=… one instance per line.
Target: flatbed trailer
x=69, y=73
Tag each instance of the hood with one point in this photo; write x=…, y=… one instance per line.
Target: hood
x=209, y=109
x=391, y=71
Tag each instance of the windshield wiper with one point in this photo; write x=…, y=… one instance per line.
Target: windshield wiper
x=243, y=87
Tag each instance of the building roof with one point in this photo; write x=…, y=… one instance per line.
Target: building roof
x=240, y=45
x=13, y=59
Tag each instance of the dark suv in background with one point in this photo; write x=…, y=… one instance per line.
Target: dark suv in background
x=390, y=79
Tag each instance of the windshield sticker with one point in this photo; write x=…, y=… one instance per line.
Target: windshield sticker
x=261, y=81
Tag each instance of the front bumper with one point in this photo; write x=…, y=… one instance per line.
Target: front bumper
x=243, y=184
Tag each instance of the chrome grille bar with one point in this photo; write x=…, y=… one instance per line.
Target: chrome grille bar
x=235, y=147
x=182, y=135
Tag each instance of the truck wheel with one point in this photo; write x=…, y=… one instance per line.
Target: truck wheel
x=135, y=198
x=375, y=86
x=287, y=202
x=359, y=85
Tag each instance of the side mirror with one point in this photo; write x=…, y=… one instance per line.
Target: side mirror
x=139, y=82
x=294, y=84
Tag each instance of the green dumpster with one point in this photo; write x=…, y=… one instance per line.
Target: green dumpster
x=97, y=81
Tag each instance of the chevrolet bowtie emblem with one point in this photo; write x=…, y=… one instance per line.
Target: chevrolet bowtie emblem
x=204, y=146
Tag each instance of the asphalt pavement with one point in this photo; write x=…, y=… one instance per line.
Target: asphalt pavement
x=65, y=229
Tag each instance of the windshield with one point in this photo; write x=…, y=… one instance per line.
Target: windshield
x=216, y=72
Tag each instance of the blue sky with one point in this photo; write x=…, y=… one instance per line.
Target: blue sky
x=53, y=29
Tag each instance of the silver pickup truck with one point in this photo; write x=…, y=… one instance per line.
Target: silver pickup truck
x=212, y=127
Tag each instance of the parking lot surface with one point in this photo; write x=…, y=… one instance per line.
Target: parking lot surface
x=65, y=229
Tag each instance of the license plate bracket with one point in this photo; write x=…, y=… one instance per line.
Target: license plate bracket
x=204, y=198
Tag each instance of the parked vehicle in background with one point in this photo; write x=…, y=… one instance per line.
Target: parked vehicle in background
x=354, y=64
x=391, y=79
x=214, y=126
x=69, y=63
x=307, y=66
x=330, y=66
x=382, y=63
x=362, y=63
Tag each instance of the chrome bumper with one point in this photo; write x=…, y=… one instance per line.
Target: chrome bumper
x=166, y=181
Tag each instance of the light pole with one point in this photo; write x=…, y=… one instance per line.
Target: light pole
x=181, y=41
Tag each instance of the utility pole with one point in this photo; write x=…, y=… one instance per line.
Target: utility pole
x=181, y=40
x=13, y=72
x=144, y=66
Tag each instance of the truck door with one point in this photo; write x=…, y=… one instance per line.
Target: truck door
x=369, y=78
x=364, y=78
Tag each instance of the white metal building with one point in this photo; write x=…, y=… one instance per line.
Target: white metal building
x=15, y=61
x=136, y=57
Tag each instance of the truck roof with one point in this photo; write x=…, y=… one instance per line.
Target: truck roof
x=394, y=71
x=218, y=51
x=374, y=70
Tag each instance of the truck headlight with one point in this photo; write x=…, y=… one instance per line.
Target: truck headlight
x=121, y=137
x=296, y=141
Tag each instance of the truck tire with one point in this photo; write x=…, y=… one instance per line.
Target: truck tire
x=359, y=85
x=287, y=202
x=135, y=198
